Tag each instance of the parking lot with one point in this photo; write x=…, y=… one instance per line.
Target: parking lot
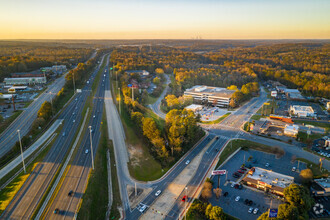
x=284, y=105
x=212, y=113
x=260, y=199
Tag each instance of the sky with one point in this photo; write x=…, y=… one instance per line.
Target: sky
x=165, y=19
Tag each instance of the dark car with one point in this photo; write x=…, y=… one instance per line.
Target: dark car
x=238, y=174
x=240, y=171
x=56, y=211
x=236, y=186
x=70, y=193
x=225, y=194
x=235, y=175
x=243, y=168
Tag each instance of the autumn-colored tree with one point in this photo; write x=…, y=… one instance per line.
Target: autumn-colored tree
x=45, y=111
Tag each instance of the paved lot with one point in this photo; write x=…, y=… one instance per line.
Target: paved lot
x=284, y=105
x=260, y=199
x=212, y=113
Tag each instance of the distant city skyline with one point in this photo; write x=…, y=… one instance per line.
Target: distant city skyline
x=161, y=19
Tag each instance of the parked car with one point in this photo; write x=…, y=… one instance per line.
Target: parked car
x=294, y=169
x=267, y=165
x=240, y=171
x=250, y=210
x=237, y=198
x=56, y=211
x=232, y=185
x=255, y=211
x=225, y=194
x=70, y=193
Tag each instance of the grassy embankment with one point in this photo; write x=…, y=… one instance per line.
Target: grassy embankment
x=95, y=200
x=217, y=120
x=233, y=145
x=264, y=111
x=142, y=165
x=6, y=122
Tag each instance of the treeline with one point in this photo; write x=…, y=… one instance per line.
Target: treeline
x=302, y=66
x=245, y=93
x=24, y=58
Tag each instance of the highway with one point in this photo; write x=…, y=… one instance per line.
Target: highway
x=28, y=197
x=77, y=176
x=23, y=122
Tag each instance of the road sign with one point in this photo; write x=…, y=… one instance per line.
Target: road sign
x=135, y=86
x=219, y=172
x=272, y=213
x=273, y=93
x=129, y=85
x=266, y=103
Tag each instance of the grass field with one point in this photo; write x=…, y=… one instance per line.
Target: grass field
x=151, y=100
x=315, y=168
x=218, y=120
x=315, y=123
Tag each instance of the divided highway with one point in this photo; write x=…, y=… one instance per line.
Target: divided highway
x=28, y=197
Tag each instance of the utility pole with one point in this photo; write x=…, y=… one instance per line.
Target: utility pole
x=119, y=100
x=132, y=93
x=135, y=190
x=51, y=105
x=90, y=135
x=20, y=143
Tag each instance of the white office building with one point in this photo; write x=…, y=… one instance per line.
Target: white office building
x=291, y=130
x=302, y=111
x=25, y=80
x=219, y=97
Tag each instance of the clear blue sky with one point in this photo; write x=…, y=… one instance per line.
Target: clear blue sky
x=175, y=19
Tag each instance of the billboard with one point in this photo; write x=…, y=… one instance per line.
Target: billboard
x=273, y=93
x=218, y=172
x=272, y=213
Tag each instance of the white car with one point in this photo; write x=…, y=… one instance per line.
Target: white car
x=158, y=193
x=142, y=208
x=255, y=211
x=86, y=151
x=267, y=165
x=232, y=185
x=237, y=198
x=294, y=169
x=74, y=121
x=93, y=116
x=187, y=162
x=250, y=210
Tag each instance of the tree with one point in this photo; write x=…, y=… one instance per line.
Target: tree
x=232, y=87
x=232, y=103
x=156, y=81
x=150, y=129
x=137, y=117
x=216, y=213
x=159, y=71
x=45, y=111
x=306, y=175
x=172, y=101
x=298, y=196
x=207, y=190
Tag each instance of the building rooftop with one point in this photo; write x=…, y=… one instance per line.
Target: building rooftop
x=302, y=108
x=214, y=91
x=324, y=183
x=194, y=107
x=271, y=178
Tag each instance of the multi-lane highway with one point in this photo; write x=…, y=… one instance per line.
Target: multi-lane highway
x=28, y=197
x=23, y=122
x=76, y=178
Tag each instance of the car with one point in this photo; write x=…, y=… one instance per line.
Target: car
x=243, y=168
x=86, y=151
x=237, y=198
x=236, y=186
x=158, y=193
x=238, y=174
x=240, y=186
x=63, y=134
x=250, y=210
x=293, y=169
x=93, y=116
x=255, y=211
x=232, y=185
x=267, y=165
x=74, y=121
x=240, y=171
x=187, y=162
x=76, y=99
x=70, y=193
x=142, y=208
x=235, y=175
x=225, y=194
x=184, y=198
x=250, y=203
x=56, y=211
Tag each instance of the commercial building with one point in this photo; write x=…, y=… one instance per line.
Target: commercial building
x=293, y=94
x=267, y=180
x=36, y=73
x=321, y=187
x=302, y=111
x=194, y=107
x=142, y=73
x=25, y=80
x=291, y=130
x=54, y=69
x=216, y=96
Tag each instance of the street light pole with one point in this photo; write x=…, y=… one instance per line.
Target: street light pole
x=20, y=143
x=90, y=136
x=185, y=201
x=119, y=100
x=74, y=84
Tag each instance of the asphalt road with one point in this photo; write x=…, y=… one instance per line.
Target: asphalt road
x=23, y=122
x=156, y=106
x=77, y=176
x=27, y=198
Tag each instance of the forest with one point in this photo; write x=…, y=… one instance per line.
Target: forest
x=25, y=57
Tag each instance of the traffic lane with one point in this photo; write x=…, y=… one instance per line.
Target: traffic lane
x=193, y=184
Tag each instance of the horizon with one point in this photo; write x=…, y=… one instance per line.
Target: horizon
x=171, y=20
